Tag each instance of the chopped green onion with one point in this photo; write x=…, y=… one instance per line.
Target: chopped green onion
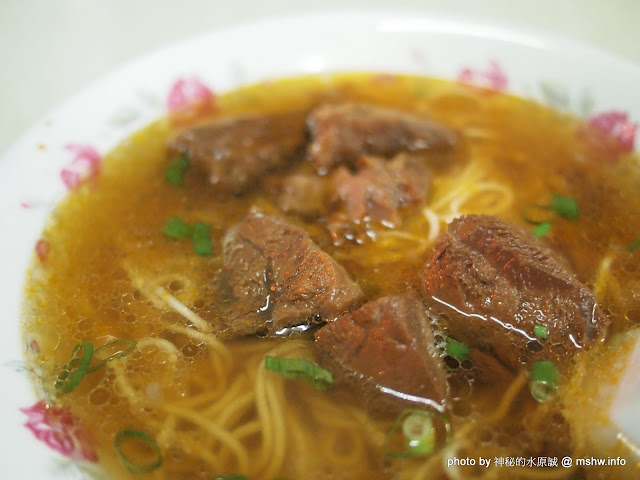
x=536, y=214
x=415, y=434
x=541, y=229
x=300, y=369
x=75, y=370
x=564, y=206
x=543, y=381
x=200, y=234
x=127, y=348
x=177, y=229
x=457, y=350
x=635, y=245
x=175, y=171
x=201, y=239
x=147, y=441
x=540, y=331
x=420, y=434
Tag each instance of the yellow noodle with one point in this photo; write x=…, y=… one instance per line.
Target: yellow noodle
x=476, y=199
x=246, y=429
x=269, y=412
x=507, y=399
x=455, y=186
x=603, y=277
x=200, y=400
x=210, y=340
x=426, y=470
x=278, y=433
x=161, y=344
x=219, y=353
x=239, y=384
x=434, y=224
x=235, y=410
x=340, y=455
x=264, y=415
x=123, y=385
x=204, y=453
x=180, y=308
x=214, y=430
x=375, y=432
x=301, y=455
x=185, y=442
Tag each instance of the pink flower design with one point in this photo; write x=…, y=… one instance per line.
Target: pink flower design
x=26, y=205
x=57, y=429
x=609, y=134
x=493, y=78
x=189, y=98
x=616, y=125
x=42, y=249
x=84, y=167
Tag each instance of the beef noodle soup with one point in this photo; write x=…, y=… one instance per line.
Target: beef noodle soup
x=354, y=277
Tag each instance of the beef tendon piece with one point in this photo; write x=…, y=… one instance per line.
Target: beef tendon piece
x=303, y=194
x=384, y=354
x=343, y=132
x=494, y=285
x=235, y=152
x=278, y=278
x=379, y=189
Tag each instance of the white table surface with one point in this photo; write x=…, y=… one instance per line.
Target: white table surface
x=51, y=48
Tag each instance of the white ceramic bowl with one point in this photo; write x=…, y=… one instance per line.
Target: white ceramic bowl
x=550, y=69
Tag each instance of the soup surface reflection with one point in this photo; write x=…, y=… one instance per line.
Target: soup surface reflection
x=200, y=257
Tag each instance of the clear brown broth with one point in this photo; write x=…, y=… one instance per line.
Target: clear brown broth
x=106, y=238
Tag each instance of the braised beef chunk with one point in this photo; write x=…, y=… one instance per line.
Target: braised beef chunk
x=235, y=152
x=302, y=194
x=412, y=178
x=493, y=282
x=344, y=132
x=279, y=278
x=385, y=350
x=378, y=189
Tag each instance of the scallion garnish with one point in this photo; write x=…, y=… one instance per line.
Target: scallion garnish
x=301, y=369
x=542, y=216
x=456, y=349
x=541, y=229
x=144, y=440
x=634, y=245
x=564, y=206
x=75, y=370
x=177, y=229
x=540, y=331
x=200, y=234
x=175, y=171
x=122, y=348
x=544, y=380
x=417, y=433
x=201, y=239
x=420, y=434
